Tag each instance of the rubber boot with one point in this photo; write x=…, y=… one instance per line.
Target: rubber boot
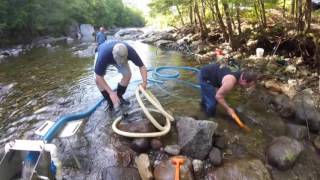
x=120, y=91
x=107, y=97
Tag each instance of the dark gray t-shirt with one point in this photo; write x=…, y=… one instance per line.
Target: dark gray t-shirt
x=105, y=57
x=214, y=73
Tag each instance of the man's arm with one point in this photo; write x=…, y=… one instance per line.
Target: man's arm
x=228, y=83
x=144, y=74
x=102, y=84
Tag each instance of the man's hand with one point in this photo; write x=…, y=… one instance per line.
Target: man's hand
x=231, y=112
x=115, y=99
x=144, y=85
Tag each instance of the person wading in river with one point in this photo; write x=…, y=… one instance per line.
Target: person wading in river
x=216, y=81
x=117, y=53
x=101, y=36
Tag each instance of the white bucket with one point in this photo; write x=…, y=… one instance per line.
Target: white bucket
x=259, y=52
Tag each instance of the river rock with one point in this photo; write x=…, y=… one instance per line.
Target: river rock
x=215, y=156
x=73, y=30
x=195, y=136
x=283, y=106
x=119, y=173
x=172, y=149
x=140, y=145
x=283, y=152
x=305, y=111
x=166, y=169
x=144, y=166
x=87, y=32
x=240, y=169
x=163, y=43
x=139, y=126
x=316, y=143
x=297, y=131
x=156, y=144
x=198, y=168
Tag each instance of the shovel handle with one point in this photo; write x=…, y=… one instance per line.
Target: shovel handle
x=177, y=174
x=240, y=123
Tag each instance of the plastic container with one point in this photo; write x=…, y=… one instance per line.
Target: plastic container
x=259, y=52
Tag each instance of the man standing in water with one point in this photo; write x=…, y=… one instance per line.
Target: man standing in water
x=101, y=36
x=117, y=53
x=217, y=81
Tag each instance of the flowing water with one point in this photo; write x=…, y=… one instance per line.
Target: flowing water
x=51, y=82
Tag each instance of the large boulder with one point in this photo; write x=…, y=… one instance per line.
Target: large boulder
x=73, y=30
x=305, y=111
x=195, y=136
x=87, y=32
x=283, y=152
x=119, y=173
x=283, y=106
x=166, y=169
x=239, y=169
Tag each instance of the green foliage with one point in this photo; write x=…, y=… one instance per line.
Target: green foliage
x=38, y=17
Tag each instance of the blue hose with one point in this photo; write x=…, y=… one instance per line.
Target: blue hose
x=60, y=123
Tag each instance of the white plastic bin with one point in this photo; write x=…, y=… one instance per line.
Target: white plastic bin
x=259, y=52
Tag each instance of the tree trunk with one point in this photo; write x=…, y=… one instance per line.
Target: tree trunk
x=238, y=18
x=293, y=5
x=308, y=14
x=179, y=12
x=229, y=25
x=300, y=23
x=222, y=26
x=284, y=9
x=203, y=30
x=203, y=5
x=257, y=14
x=191, y=12
x=211, y=5
x=263, y=13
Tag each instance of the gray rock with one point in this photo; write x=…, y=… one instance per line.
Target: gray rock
x=156, y=144
x=283, y=106
x=172, y=149
x=297, y=131
x=87, y=32
x=317, y=143
x=198, y=168
x=305, y=111
x=240, y=169
x=140, y=145
x=215, y=156
x=119, y=173
x=195, y=136
x=283, y=152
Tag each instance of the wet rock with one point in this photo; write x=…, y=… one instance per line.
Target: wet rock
x=144, y=166
x=291, y=69
x=215, y=156
x=283, y=152
x=162, y=43
x=128, y=33
x=87, y=32
x=221, y=142
x=120, y=173
x=305, y=111
x=240, y=169
x=142, y=126
x=195, y=136
x=316, y=143
x=156, y=144
x=140, y=145
x=172, y=149
x=198, y=168
x=297, y=131
x=166, y=169
x=283, y=106
x=273, y=86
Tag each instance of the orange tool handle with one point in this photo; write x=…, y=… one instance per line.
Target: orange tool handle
x=240, y=123
x=177, y=175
